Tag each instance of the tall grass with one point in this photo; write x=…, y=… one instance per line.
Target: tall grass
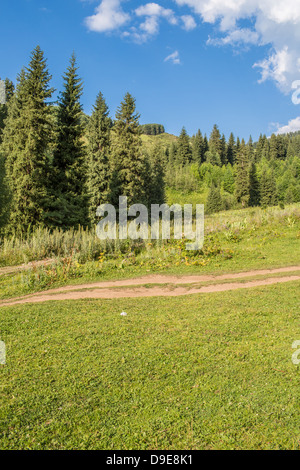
x=83, y=244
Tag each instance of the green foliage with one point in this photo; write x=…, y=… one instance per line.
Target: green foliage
x=268, y=191
x=214, y=201
x=242, y=175
x=98, y=152
x=152, y=129
x=26, y=139
x=254, y=187
x=184, y=149
x=68, y=202
x=156, y=190
x=4, y=195
x=129, y=162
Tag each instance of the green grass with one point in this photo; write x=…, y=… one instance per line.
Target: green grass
x=199, y=372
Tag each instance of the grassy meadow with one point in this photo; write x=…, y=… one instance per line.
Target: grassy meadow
x=201, y=372
x=209, y=371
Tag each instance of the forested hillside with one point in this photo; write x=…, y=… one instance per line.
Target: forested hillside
x=58, y=165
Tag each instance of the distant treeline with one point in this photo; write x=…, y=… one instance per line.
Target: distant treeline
x=152, y=129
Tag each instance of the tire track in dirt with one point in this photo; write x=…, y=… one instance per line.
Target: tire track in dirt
x=130, y=288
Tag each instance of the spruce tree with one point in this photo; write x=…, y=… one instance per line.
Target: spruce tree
x=273, y=147
x=259, y=148
x=184, y=149
x=130, y=164
x=98, y=152
x=198, y=148
x=68, y=205
x=26, y=141
x=223, y=148
x=268, y=189
x=231, y=149
x=242, y=175
x=254, y=188
x=205, y=146
x=214, y=201
x=215, y=142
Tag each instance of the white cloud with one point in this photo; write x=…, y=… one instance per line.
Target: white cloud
x=292, y=126
x=150, y=26
x=189, y=22
x=174, y=58
x=108, y=16
x=236, y=37
x=275, y=23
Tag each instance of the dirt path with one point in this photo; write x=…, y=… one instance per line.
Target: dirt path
x=163, y=286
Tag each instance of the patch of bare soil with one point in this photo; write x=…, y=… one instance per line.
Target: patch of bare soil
x=130, y=288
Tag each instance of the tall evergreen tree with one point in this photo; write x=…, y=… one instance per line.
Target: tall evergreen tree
x=268, y=189
x=98, y=152
x=68, y=206
x=223, y=149
x=242, y=175
x=130, y=164
x=198, y=148
x=250, y=149
x=26, y=141
x=215, y=141
x=254, y=188
x=231, y=149
x=205, y=146
x=273, y=147
x=260, y=147
x=184, y=149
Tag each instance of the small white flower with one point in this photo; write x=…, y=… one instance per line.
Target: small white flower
x=123, y=314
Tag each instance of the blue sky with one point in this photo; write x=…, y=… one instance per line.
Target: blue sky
x=187, y=62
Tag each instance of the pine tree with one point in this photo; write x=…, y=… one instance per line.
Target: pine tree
x=205, y=146
x=184, y=150
x=26, y=141
x=268, y=189
x=242, y=175
x=130, y=164
x=254, y=188
x=266, y=150
x=250, y=149
x=260, y=147
x=231, y=149
x=68, y=205
x=215, y=142
x=273, y=147
x=214, y=201
x=98, y=152
x=198, y=148
x=223, y=149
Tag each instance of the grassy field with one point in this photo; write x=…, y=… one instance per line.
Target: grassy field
x=202, y=372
